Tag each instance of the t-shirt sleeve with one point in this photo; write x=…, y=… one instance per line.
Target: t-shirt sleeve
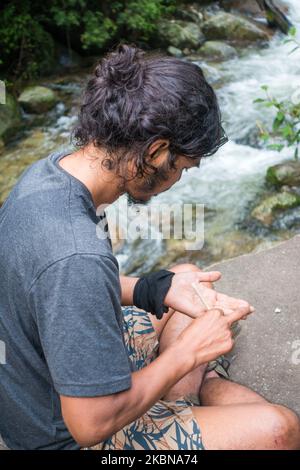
x=76, y=303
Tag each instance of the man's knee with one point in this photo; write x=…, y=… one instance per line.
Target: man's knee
x=284, y=427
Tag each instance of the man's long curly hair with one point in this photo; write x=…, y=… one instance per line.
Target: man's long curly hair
x=137, y=97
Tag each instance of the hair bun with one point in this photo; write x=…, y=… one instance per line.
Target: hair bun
x=122, y=68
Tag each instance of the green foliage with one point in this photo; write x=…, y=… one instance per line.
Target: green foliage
x=285, y=130
x=27, y=29
x=292, y=39
x=286, y=123
x=66, y=13
x=95, y=36
x=26, y=46
x=141, y=16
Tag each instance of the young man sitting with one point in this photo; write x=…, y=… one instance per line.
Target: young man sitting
x=99, y=360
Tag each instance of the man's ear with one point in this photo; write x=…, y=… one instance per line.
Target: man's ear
x=158, y=151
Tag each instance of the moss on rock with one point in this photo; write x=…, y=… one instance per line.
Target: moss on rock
x=37, y=99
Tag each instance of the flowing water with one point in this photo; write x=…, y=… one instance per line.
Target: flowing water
x=227, y=183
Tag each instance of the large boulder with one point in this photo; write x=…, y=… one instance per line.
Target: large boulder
x=190, y=12
x=217, y=50
x=273, y=205
x=267, y=352
x=181, y=34
x=248, y=7
x=175, y=52
x=226, y=26
x=284, y=174
x=37, y=99
x=10, y=118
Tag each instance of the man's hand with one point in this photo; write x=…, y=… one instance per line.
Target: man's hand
x=183, y=298
x=208, y=336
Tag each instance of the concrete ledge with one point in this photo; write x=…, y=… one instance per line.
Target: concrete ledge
x=267, y=352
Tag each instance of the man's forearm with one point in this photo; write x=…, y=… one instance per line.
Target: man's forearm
x=127, y=287
x=149, y=385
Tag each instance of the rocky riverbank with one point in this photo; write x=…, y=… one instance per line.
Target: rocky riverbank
x=276, y=212
x=207, y=30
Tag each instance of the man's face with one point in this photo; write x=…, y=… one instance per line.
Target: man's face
x=140, y=191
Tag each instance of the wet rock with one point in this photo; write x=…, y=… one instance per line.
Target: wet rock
x=35, y=140
x=190, y=12
x=137, y=259
x=175, y=52
x=13, y=162
x=287, y=173
x=226, y=26
x=211, y=73
x=225, y=246
x=248, y=7
x=276, y=16
x=1, y=145
x=181, y=34
x=10, y=118
x=272, y=205
x=289, y=220
x=217, y=50
x=175, y=252
x=117, y=236
x=37, y=99
x=232, y=244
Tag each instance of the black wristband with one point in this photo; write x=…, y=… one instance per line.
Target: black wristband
x=150, y=291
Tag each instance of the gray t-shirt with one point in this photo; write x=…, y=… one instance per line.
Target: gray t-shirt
x=60, y=308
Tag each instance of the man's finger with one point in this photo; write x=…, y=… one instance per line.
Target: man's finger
x=238, y=314
x=210, y=276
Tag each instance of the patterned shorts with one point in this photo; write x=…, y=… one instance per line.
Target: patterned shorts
x=168, y=425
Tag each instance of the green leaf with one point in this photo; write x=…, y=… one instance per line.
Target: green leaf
x=280, y=117
x=270, y=104
x=287, y=131
x=277, y=147
x=265, y=137
x=292, y=31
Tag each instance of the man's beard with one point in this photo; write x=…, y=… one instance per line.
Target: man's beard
x=149, y=184
x=133, y=200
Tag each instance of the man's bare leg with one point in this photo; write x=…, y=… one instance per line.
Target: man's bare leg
x=216, y=391
x=261, y=426
x=190, y=384
x=235, y=417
